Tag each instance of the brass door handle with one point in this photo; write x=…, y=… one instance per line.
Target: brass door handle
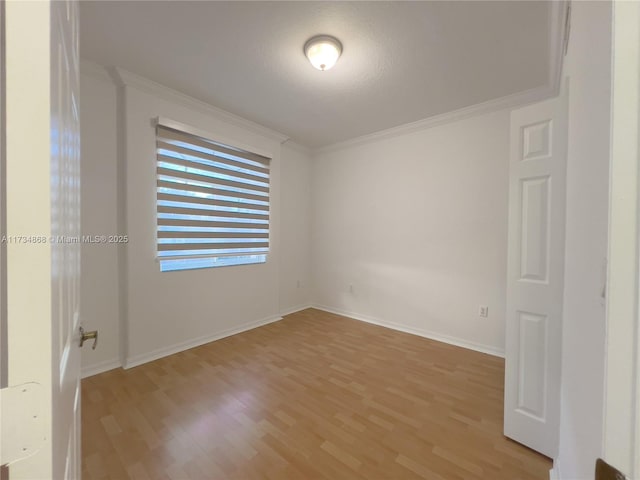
x=84, y=336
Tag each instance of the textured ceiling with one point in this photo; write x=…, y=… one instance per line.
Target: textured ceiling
x=402, y=61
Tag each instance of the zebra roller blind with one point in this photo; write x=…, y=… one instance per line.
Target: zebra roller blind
x=212, y=199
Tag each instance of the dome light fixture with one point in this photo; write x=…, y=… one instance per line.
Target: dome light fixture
x=323, y=51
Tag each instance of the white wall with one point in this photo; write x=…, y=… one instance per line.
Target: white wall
x=171, y=311
x=165, y=312
x=99, y=299
x=588, y=65
x=417, y=224
x=295, y=225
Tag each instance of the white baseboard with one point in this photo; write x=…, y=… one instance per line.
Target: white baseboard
x=196, y=342
x=136, y=360
x=554, y=473
x=291, y=310
x=496, y=352
x=100, y=367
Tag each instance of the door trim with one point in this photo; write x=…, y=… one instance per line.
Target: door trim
x=4, y=367
x=621, y=442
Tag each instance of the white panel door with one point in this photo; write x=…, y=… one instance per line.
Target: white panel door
x=65, y=224
x=42, y=233
x=537, y=190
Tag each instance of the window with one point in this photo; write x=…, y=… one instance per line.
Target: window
x=212, y=203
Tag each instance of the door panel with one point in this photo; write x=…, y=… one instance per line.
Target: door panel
x=532, y=380
x=66, y=235
x=537, y=171
x=42, y=231
x=534, y=251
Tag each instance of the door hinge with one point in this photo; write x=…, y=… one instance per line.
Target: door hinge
x=21, y=427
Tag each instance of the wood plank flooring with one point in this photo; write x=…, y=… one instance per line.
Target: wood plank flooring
x=314, y=396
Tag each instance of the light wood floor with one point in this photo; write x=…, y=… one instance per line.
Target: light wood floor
x=314, y=396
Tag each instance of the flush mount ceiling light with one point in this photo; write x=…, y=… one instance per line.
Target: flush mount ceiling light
x=323, y=51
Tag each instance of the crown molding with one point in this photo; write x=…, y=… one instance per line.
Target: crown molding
x=94, y=70
x=502, y=103
x=297, y=147
x=124, y=78
x=557, y=24
x=559, y=12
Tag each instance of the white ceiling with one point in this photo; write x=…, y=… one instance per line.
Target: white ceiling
x=402, y=61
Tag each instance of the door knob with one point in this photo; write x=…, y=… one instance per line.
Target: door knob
x=84, y=336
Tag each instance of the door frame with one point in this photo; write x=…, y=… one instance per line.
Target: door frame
x=621, y=442
x=3, y=229
x=4, y=354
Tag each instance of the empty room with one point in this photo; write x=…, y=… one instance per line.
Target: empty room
x=319, y=240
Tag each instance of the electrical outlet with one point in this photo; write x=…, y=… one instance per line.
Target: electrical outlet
x=351, y=288
x=483, y=311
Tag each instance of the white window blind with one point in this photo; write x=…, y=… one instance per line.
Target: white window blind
x=212, y=202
